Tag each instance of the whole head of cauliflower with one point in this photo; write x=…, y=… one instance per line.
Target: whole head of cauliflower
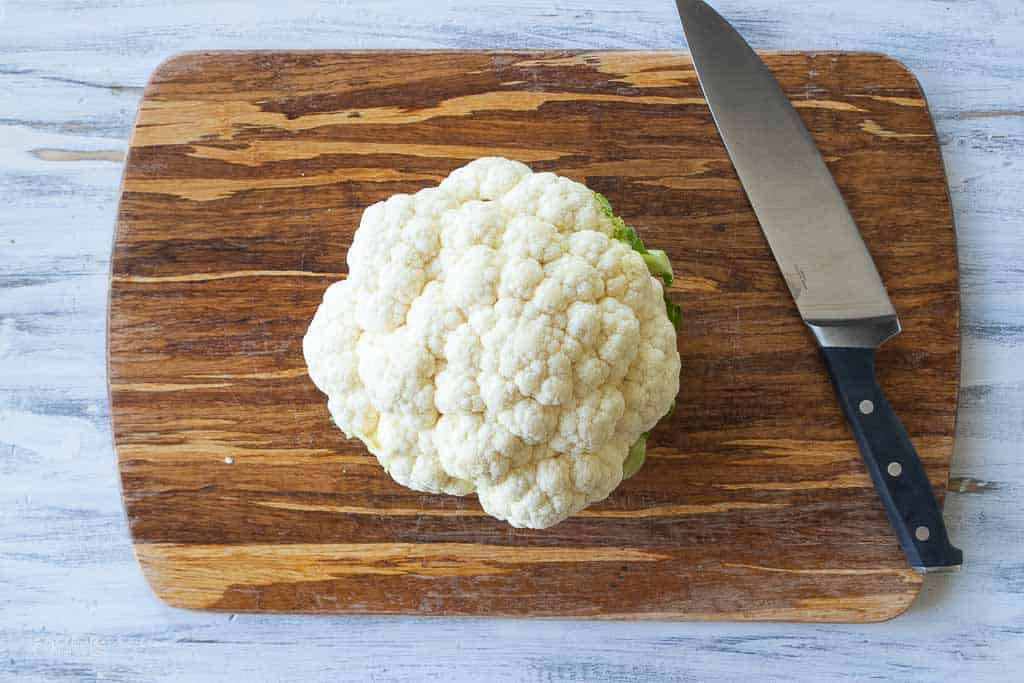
x=493, y=335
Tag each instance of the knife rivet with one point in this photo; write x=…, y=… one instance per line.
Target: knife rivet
x=866, y=407
x=229, y=460
x=894, y=469
x=922, y=533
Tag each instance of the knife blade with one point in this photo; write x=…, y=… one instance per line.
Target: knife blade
x=825, y=263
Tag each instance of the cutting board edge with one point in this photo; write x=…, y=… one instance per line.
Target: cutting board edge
x=868, y=611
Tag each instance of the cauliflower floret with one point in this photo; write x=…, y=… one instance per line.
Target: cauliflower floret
x=498, y=334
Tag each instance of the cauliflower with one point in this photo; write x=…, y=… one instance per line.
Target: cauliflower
x=502, y=334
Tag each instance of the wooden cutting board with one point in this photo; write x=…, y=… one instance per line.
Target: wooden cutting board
x=246, y=178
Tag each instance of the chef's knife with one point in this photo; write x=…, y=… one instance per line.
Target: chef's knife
x=825, y=263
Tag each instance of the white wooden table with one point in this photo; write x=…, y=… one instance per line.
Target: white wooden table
x=73, y=604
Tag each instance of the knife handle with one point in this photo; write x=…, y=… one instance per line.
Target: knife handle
x=892, y=461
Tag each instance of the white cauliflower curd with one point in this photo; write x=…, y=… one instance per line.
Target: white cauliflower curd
x=501, y=333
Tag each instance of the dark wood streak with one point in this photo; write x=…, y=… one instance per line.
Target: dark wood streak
x=246, y=177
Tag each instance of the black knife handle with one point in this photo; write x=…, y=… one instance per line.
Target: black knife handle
x=892, y=461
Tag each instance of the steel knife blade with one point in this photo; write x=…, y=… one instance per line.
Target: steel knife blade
x=825, y=263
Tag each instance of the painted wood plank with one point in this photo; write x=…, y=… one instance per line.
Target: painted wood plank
x=72, y=600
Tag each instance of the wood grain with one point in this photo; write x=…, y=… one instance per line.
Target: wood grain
x=75, y=603
x=246, y=176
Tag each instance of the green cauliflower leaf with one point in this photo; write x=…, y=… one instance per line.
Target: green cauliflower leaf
x=659, y=266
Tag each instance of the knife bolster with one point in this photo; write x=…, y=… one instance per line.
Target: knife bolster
x=863, y=333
